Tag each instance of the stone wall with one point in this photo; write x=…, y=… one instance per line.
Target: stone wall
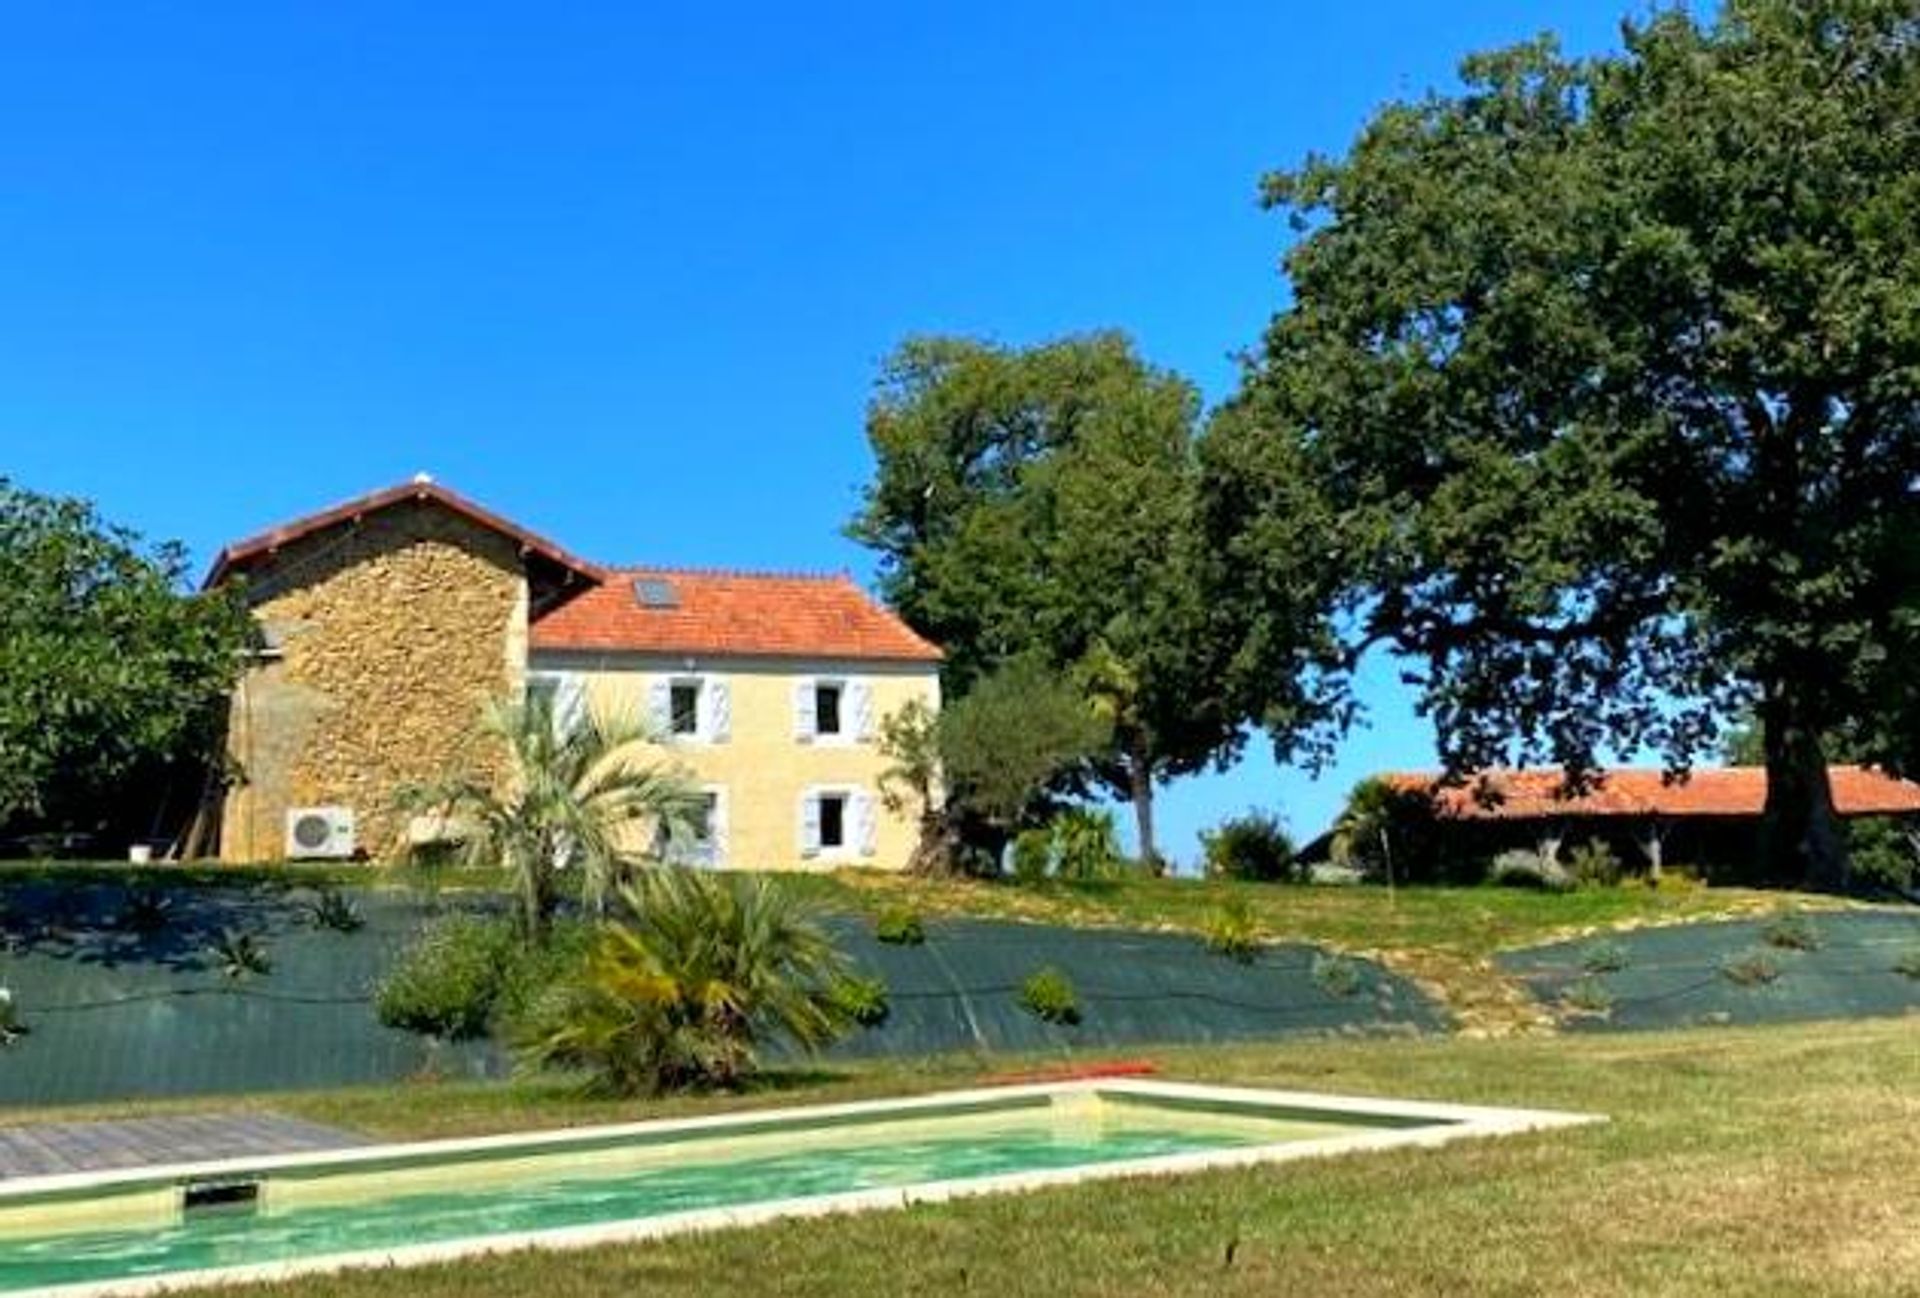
x=391, y=633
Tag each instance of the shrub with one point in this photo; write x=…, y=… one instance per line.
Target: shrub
x=333, y=910
x=1048, y=995
x=11, y=1028
x=1524, y=869
x=1603, y=957
x=1253, y=847
x=1755, y=968
x=1886, y=854
x=449, y=981
x=1336, y=975
x=1587, y=995
x=863, y=1000
x=240, y=955
x=1086, y=844
x=683, y=989
x=1593, y=865
x=900, y=926
x=1032, y=856
x=1233, y=932
x=1791, y=932
x=1908, y=963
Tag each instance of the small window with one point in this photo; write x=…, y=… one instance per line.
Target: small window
x=826, y=708
x=655, y=592
x=833, y=820
x=703, y=817
x=684, y=708
x=543, y=691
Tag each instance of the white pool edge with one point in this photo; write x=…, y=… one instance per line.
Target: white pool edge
x=1463, y=1122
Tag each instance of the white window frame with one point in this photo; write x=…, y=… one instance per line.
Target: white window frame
x=712, y=707
x=859, y=837
x=857, y=723
x=712, y=854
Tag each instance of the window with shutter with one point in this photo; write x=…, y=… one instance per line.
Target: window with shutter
x=803, y=722
x=860, y=703
x=866, y=824
x=809, y=824
x=719, y=700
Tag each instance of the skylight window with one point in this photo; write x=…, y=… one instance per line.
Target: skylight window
x=655, y=592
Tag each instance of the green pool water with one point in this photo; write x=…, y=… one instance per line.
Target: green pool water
x=562, y=1191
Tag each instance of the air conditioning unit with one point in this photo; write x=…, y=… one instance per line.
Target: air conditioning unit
x=320, y=833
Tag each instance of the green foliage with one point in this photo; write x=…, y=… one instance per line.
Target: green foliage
x=910, y=743
x=900, y=926
x=240, y=955
x=1019, y=730
x=1603, y=957
x=1085, y=844
x=1389, y=828
x=110, y=676
x=1908, y=963
x=1791, y=931
x=1593, y=864
x=449, y=981
x=862, y=1000
x=1587, y=995
x=1337, y=975
x=1752, y=968
x=1523, y=869
x=682, y=990
x=1886, y=853
x=1048, y=995
x=1589, y=365
x=1254, y=847
x=11, y=1027
x=335, y=911
x=580, y=798
x=1032, y=855
x=1041, y=503
x=1233, y=931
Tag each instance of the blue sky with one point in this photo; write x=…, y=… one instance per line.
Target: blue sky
x=624, y=272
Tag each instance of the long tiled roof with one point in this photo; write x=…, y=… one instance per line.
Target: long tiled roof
x=1709, y=791
x=732, y=613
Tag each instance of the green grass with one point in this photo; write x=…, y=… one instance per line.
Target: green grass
x=1750, y=1161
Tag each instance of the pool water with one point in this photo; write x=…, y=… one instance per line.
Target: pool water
x=318, y=1213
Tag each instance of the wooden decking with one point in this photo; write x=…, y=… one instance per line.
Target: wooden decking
x=51, y=1148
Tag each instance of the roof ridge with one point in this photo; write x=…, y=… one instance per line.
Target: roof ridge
x=768, y=574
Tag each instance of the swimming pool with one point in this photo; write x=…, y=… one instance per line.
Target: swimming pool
x=137, y=1232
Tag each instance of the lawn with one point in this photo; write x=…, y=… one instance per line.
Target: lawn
x=1738, y=1162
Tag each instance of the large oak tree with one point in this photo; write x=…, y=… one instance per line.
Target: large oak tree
x=1608, y=371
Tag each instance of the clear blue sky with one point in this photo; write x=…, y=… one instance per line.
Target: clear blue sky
x=624, y=271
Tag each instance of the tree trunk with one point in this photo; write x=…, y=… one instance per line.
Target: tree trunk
x=1799, y=832
x=1140, y=786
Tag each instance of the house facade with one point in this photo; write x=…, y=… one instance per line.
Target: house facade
x=386, y=624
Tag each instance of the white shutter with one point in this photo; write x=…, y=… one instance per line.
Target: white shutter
x=718, y=701
x=660, y=705
x=860, y=700
x=717, y=830
x=809, y=824
x=866, y=824
x=569, y=701
x=805, y=721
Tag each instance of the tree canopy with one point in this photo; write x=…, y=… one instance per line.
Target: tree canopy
x=1607, y=375
x=1042, y=503
x=110, y=674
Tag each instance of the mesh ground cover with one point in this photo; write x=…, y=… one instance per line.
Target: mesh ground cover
x=1679, y=976
x=116, y=1012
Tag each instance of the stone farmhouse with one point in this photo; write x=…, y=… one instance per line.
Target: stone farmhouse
x=388, y=621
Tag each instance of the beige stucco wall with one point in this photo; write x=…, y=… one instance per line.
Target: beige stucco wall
x=392, y=633
x=762, y=769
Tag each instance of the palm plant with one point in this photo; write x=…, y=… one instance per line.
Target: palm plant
x=578, y=804
x=685, y=987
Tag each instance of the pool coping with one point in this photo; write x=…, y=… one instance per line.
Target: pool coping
x=1453, y=1122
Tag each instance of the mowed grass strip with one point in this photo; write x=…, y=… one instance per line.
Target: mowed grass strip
x=1762, y=1161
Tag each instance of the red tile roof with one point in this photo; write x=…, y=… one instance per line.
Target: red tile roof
x=733, y=613
x=1709, y=791
x=241, y=553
